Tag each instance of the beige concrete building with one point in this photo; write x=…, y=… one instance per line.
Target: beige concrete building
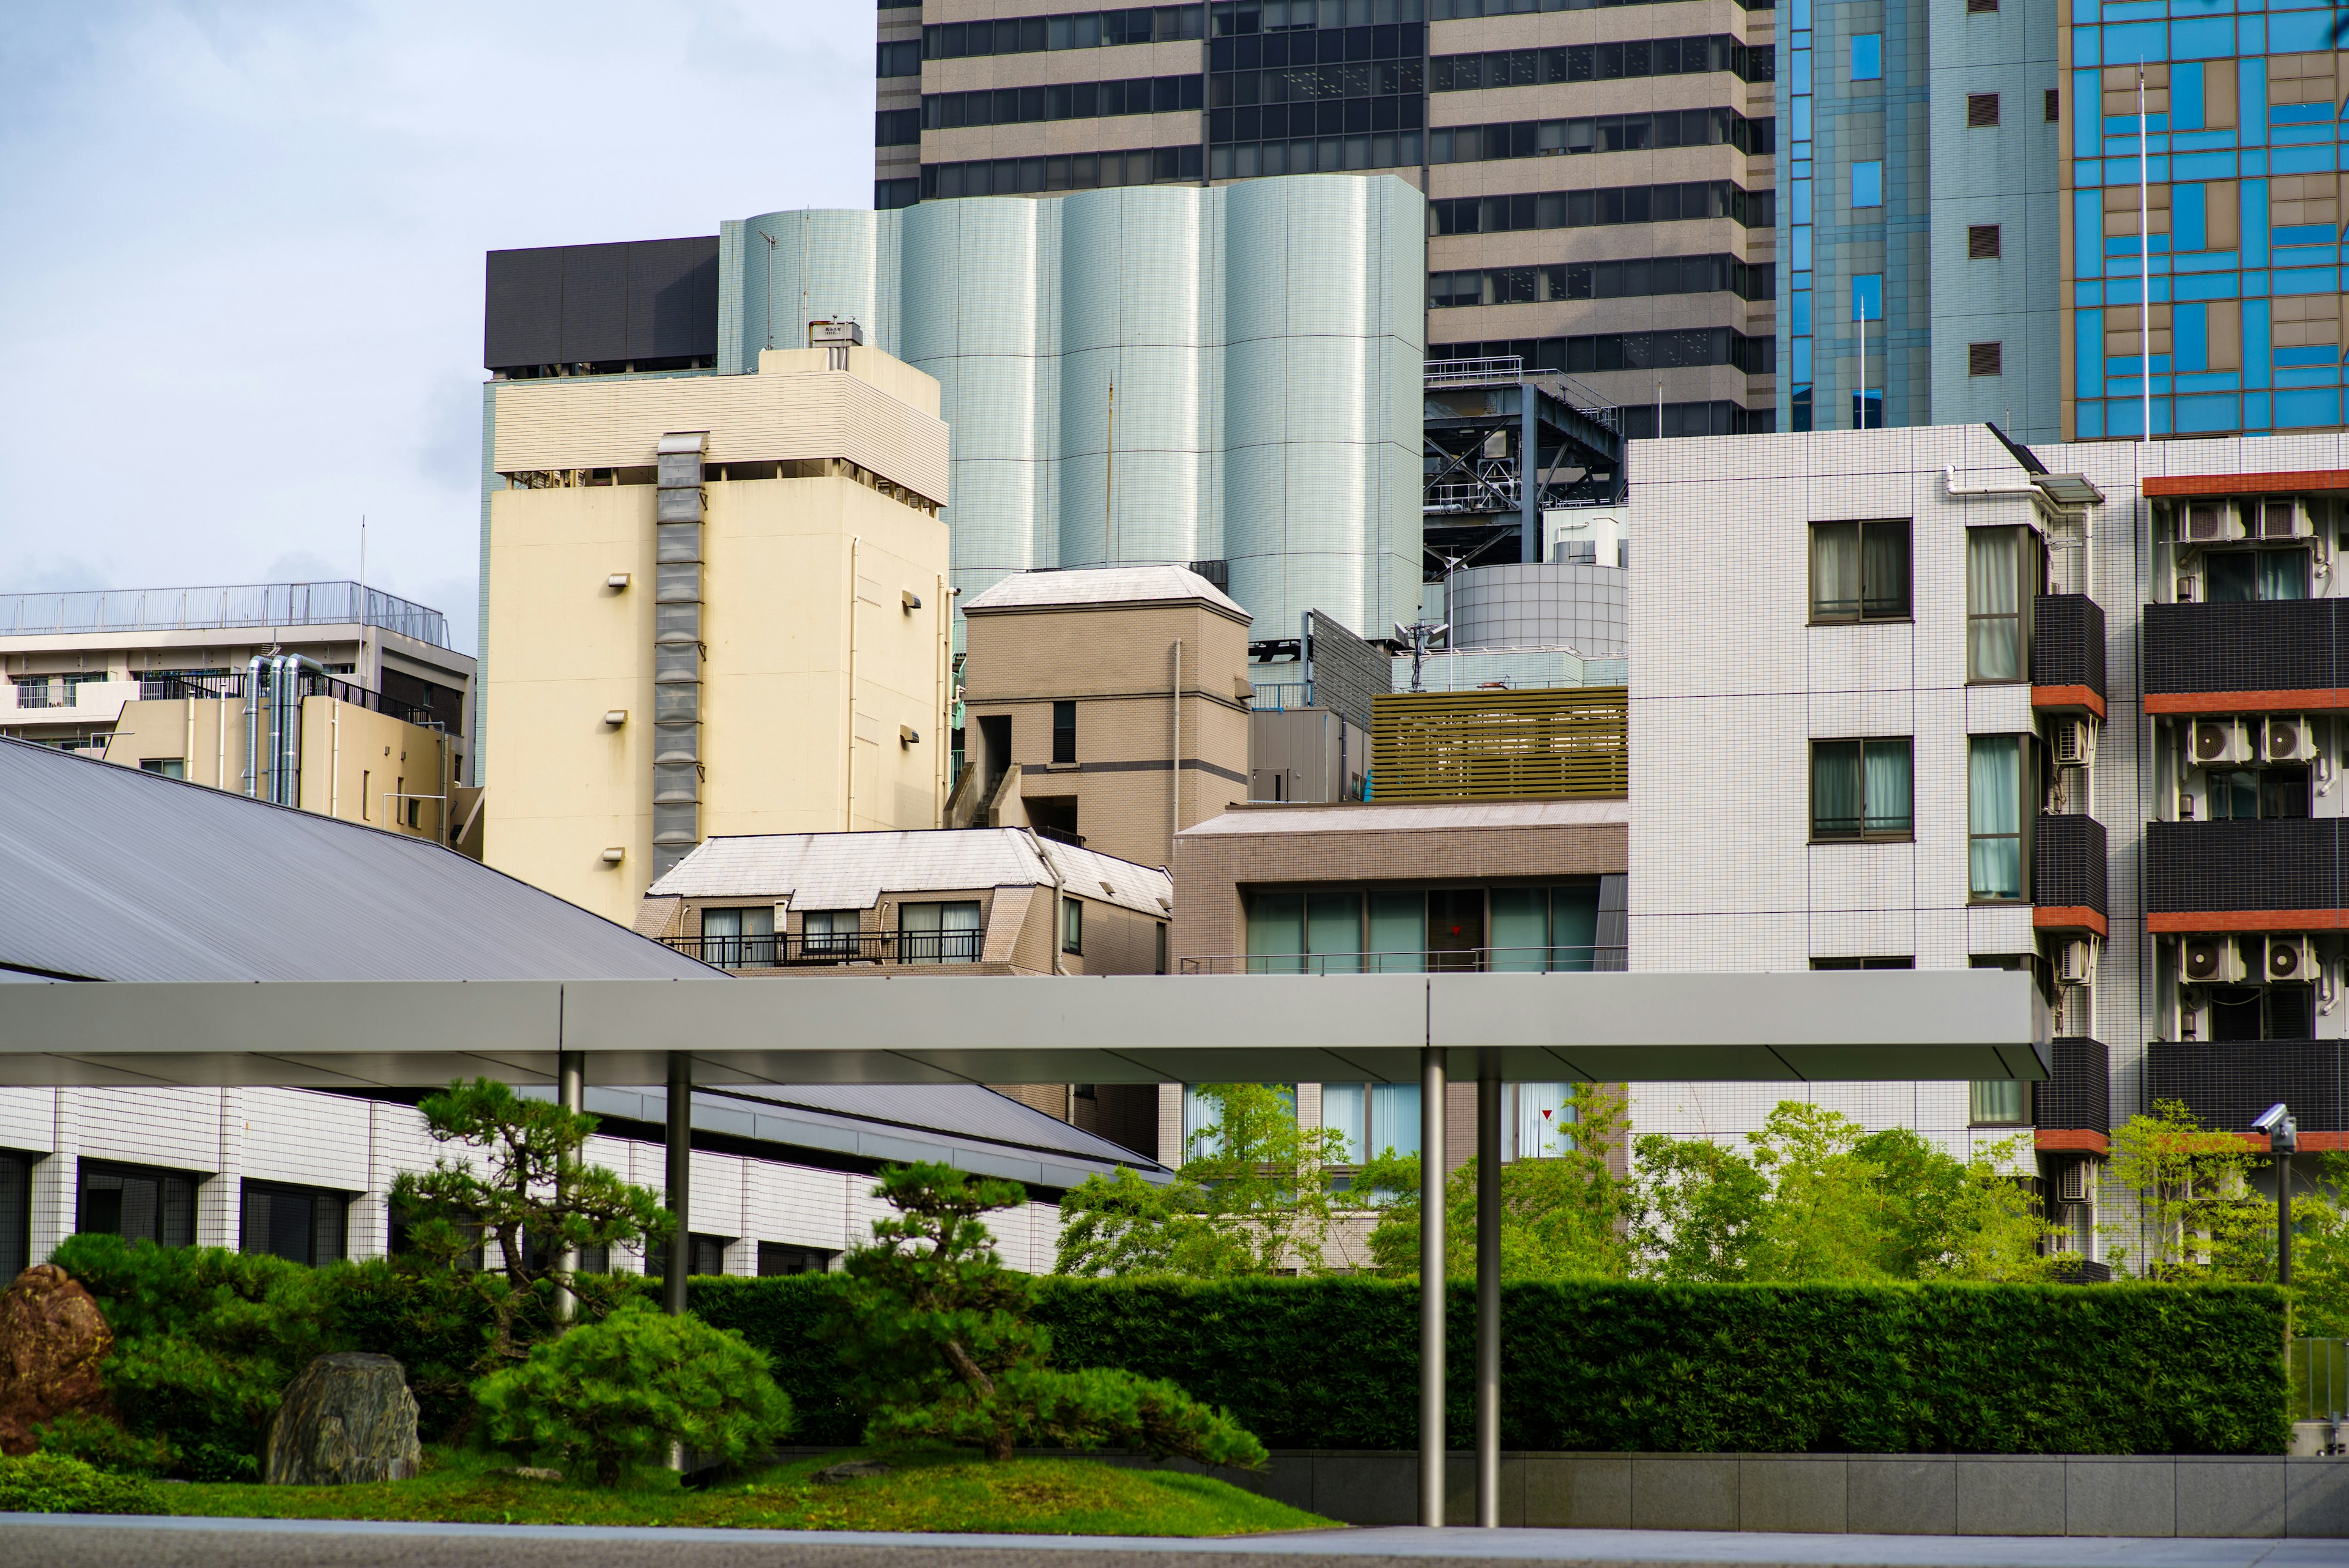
x=1107, y=707
x=716, y=606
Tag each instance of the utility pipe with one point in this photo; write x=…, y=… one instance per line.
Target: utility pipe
x=252, y=668
x=1430, y=1285
x=1488, y=1291
x=571, y=1094
x=285, y=725
x=1059, y=914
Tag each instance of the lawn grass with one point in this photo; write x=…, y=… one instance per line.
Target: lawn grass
x=930, y=1491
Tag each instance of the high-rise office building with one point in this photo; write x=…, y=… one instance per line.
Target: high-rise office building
x=1600, y=180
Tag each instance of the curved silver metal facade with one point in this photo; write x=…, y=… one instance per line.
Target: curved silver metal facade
x=1148, y=374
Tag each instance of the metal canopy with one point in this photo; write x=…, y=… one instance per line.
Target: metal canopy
x=847, y=1028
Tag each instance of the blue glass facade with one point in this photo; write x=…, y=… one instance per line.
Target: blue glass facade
x=2241, y=168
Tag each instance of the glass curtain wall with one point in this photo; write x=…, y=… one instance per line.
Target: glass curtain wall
x=1521, y=928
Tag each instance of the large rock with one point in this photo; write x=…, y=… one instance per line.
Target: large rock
x=52, y=1339
x=348, y=1418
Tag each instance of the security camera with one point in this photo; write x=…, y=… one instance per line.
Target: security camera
x=2270, y=1119
x=2283, y=1132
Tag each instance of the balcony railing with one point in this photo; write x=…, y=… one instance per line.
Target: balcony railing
x=2275, y=644
x=1454, y=960
x=794, y=951
x=2068, y=863
x=2290, y=863
x=2077, y=1095
x=244, y=604
x=173, y=688
x=2067, y=642
x=2226, y=1083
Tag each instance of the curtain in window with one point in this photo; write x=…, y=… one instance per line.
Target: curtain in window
x=1543, y=1117
x=2283, y=574
x=1999, y=1102
x=1994, y=817
x=1834, y=789
x=1518, y=935
x=1394, y=1119
x=1275, y=933
x=1835, y=570
x=1398, y=933
x=1889, y=791
x=1333, y=932
x=1993, y=604
x=2229, y=577
x=1883, y=569
x=1342, y=1107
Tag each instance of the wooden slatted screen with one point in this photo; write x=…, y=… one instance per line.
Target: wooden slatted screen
x=1556, y=744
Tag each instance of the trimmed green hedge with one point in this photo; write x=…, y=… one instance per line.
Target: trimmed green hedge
x=1599, y=1364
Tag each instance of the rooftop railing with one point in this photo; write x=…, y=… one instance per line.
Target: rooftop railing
x=1427, y=961
x=257, y=604
x=172, y=688
x=795, y=950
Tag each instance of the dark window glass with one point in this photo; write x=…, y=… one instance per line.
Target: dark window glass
x=1984, y=358
x=2055, y=107
x=1981, y=109
x=899, y=59
x=1064, y=731
x=776, y=1258
x=1072, y=925
x=1982, y=242
x=16, y=1207
x=300, y=1224
x=707, y=1256
x=136, y=1204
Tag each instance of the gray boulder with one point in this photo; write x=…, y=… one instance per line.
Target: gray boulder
x=347, y=1417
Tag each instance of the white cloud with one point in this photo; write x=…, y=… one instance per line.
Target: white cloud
x=241, y=287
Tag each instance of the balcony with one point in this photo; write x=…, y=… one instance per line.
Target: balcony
x=2067, y=653
x=2236, y=658
x=821, y=950
x=2227, y=1083
x=2275, y=874
x=2073, y=1109
x=1448, y=961
x=2067, y=873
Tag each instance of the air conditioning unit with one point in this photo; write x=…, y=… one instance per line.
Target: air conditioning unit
x=2075, y=961
x=2217, y=743
x=2287, y=738
x=2283, y=518
x=2214, y=961
x=2210, y=522
x=2292, y=959
x=2075, y=743
x=2074, y=1181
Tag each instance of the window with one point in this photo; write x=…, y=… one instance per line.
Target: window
x=2054, y=108
x=1064, y=731
x=1981, y=109
x=16, y=1214
x=1998, y=600
x=1161, y=928
x=1867, y=56
x=136, y=1204
x=1575, y=928
x=833, y=933
x=899, y=59
x=939, y=933
x=1833, y=963
x=1375, y=1118
x=1859, y=571
x=1867, y=184
x=733, y=937
x=705, y=1255
x=299, y=1224
x=1999, y=1103
x=169, y=767
x=2252, y=795
x=1203, y=1114
x=1072, y=925
x=2243, y=576
x=1996, y=863
x=1977, y=8
x=1982, y=242
x=897, y=127
x=775, y=1258
x=1984, y=359
x=1540, y=1115
x=1867, y=296
x=1861, y=789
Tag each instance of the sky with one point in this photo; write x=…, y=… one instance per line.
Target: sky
x=241, y=252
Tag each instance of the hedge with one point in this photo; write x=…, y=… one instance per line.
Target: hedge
x=1611, y=1365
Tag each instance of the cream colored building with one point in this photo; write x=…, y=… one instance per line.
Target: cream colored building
x=716, y=606
x=1108, y=706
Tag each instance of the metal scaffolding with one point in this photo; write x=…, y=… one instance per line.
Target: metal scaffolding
x=1480, y=418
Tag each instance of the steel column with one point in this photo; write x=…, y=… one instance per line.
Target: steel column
x=571, y=1094
x=1488, y=1291
x=1529, y=539
x=680, y=1179
x=1430, y=1285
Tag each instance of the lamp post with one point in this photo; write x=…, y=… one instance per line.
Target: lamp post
x=2283, y=1142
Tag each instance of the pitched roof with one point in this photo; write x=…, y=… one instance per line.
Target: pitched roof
x=1102, y=586
x=117, y=874
x=855, y=871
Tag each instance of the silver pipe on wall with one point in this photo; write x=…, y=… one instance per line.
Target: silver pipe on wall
x=285, y=725
x=253, y=725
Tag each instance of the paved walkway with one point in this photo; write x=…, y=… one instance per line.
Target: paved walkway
x=50, y=1540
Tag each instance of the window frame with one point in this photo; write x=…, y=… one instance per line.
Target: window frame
x=1976, y=118
x=2031, y=580
x=1992, y=355
x=1064, y=735
x=1976, y=247
x=1975, y=1117
x=2027, y=806
x=1072, y=925
x=1908, y=611
x=1864, y=836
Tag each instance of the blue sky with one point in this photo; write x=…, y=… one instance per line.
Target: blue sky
x=241, y=250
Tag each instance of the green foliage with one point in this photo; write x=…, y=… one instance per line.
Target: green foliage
x=1632, y=1365
x=525, y=1189
x=435, y=1323
x=934, y=1329
x=102, y=1444
x=2198, y=1217
x=1254, y=1197
x=2319, y=1249
x=205, y=1341
x=1564, y=1216
x=1821, y=1200
x=54, y=1483
x=617, y=1393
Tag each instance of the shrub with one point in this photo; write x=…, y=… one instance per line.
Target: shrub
x=437, y=1325
x=619, y=1392
x=101, y=1443
x=52, y=1483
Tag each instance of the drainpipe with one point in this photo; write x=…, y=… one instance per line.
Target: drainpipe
x=1058, y=895
x=285, y=725
x=253, y=725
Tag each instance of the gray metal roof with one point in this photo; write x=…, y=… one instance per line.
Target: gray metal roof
x=112, y=873
x=962, y=1124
